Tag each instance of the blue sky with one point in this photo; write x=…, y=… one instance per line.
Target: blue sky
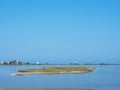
x=60, y=31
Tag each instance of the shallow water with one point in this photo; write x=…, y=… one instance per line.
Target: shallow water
x=103, y=78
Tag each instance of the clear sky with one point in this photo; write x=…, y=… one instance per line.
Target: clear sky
x=60, y=31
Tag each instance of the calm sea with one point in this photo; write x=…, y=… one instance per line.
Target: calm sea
x=103, y=78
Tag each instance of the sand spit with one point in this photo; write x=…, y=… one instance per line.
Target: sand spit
x=55, y=70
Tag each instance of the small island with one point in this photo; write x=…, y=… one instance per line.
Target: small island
x=54, y=70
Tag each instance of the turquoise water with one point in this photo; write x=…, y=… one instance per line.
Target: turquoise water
x=103, y=78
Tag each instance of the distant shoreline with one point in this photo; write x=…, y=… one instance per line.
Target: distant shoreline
x=65, y=64
x=18, y=62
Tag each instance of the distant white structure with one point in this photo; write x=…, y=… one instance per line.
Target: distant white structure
x=8, y=62
x=1, y=62
x=74, y=62
x=37, y=62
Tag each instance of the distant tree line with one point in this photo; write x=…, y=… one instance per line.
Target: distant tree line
x=17, y=62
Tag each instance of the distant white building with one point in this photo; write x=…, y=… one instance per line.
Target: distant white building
x=74, y=62
x=8, y=62
x=38, y=62
x=1, y=62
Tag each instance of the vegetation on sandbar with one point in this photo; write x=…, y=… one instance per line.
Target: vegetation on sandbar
x=57, y=70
